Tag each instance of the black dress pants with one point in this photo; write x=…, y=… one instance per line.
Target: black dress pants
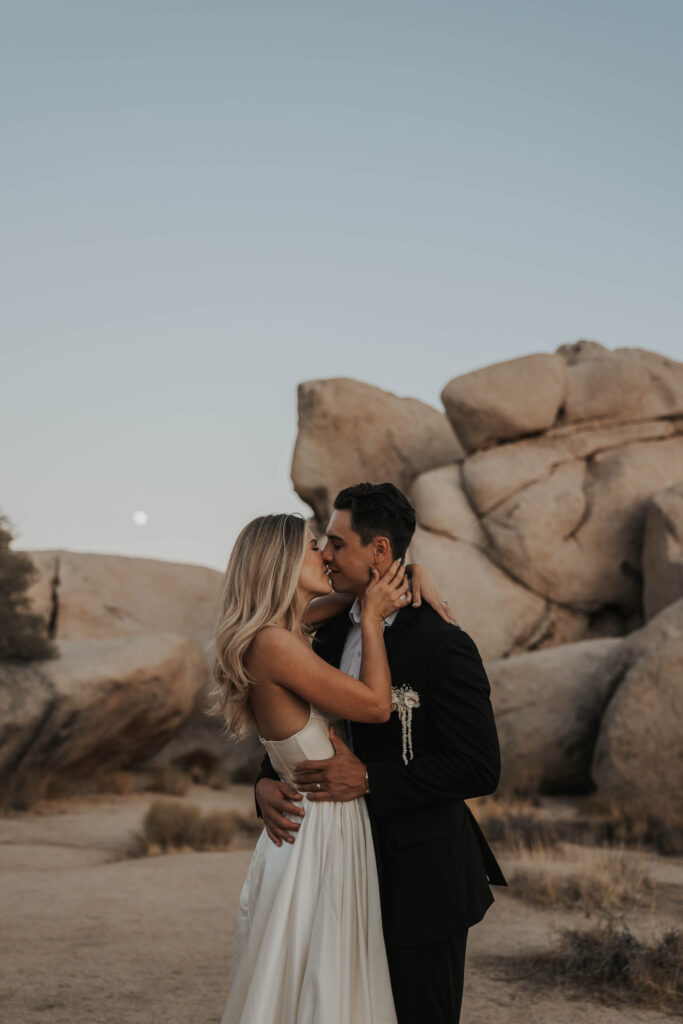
x=427, y=981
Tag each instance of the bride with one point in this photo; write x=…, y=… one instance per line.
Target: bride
x=308, y=945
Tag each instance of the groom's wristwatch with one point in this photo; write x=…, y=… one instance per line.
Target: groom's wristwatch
x=367, y=783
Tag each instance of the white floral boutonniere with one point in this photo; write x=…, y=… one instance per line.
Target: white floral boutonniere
x=405, y=700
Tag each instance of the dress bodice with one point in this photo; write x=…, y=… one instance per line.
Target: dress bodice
x=312, y=743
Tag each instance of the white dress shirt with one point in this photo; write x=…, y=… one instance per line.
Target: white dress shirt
x=353, y=652
x=353, y=646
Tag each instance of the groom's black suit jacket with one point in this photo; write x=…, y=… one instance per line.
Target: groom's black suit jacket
x=434, y=863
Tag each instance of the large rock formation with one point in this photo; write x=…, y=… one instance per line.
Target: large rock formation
x=493, y=476
x=348, y=430
x=90, y=595
x=557, y=522
x=93, y=596
x=639, y=753
x=503, y=616
x=623, y=386
x=575, y=535
x=548, y=706
x=101, y=704
x=663, y=550
x=506, y=400
x=561, y=524
x=541, y=524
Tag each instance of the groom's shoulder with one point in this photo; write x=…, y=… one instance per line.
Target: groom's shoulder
x=428, y=627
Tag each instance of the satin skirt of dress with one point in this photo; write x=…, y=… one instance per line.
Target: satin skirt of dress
x=308, y=945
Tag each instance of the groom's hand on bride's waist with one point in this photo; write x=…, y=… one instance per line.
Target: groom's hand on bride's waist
x=342, y=777
x=276, y=801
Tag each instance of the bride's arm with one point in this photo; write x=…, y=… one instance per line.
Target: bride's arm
x=278, y=656
x=423, y=587
x=323, y=608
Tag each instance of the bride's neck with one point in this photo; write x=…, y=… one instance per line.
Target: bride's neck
x=297, y=629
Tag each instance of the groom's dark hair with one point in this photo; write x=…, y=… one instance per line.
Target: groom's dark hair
x=379, y=510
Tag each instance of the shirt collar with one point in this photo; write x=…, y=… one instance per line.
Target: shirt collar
x=354, y=613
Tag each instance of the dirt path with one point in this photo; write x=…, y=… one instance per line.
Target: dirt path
x=89, y=937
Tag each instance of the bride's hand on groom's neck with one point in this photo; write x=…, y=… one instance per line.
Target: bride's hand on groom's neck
x=424, y=588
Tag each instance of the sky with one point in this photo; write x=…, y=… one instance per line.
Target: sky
x=206, y=203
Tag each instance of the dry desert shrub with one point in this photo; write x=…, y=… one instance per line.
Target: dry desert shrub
x=614, y=965
x=119, y=782
x=170, y=780
x=516, y=825
x=175, y=825
x=22, y=794
x=600, y=882
x=199, y=764
x=170, y=824
x=602, y=821
x=219, y=780
x=32, y=791
x=655, y=824
x=219, y=829
x=243, y=775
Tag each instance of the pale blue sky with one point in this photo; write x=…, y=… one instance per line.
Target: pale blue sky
x=205, y=203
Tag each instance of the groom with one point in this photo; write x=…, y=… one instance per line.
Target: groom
x=439, y=748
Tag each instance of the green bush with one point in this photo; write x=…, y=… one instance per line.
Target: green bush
x=23, y=634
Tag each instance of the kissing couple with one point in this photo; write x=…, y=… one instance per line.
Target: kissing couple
x=373, y=708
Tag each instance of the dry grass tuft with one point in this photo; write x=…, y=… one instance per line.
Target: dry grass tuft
x=199, y=764
x=614, y=965
x=33, y=790
x=519, y=824
x=516, y=825
x=219, y=829
x=119, y=782
x=172, y=825
x=198, y=767
x=633, y=823
x=602, y=882
x=169, y=824
x=218, y=780
x=170, y=780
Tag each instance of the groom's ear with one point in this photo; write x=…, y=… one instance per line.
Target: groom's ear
x=381, y=549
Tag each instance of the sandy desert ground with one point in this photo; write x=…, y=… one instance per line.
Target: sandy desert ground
x=91, y=936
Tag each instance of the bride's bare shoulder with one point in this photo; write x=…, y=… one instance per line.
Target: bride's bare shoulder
x=273, y=641
x=275, y=654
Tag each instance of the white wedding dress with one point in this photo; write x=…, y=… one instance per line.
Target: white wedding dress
x=308, y=943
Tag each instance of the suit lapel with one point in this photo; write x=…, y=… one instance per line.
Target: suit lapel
x=330, y=639
x=403, y=619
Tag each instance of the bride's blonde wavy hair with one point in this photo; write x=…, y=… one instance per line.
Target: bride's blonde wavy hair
x=260, y=588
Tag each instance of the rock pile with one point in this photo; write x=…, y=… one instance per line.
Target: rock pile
x=103, y=704
x=549, y=500
x=553, y=525
x=347, y=428
x=129, y=687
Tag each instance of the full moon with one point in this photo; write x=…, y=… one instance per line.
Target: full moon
x=140, y=518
